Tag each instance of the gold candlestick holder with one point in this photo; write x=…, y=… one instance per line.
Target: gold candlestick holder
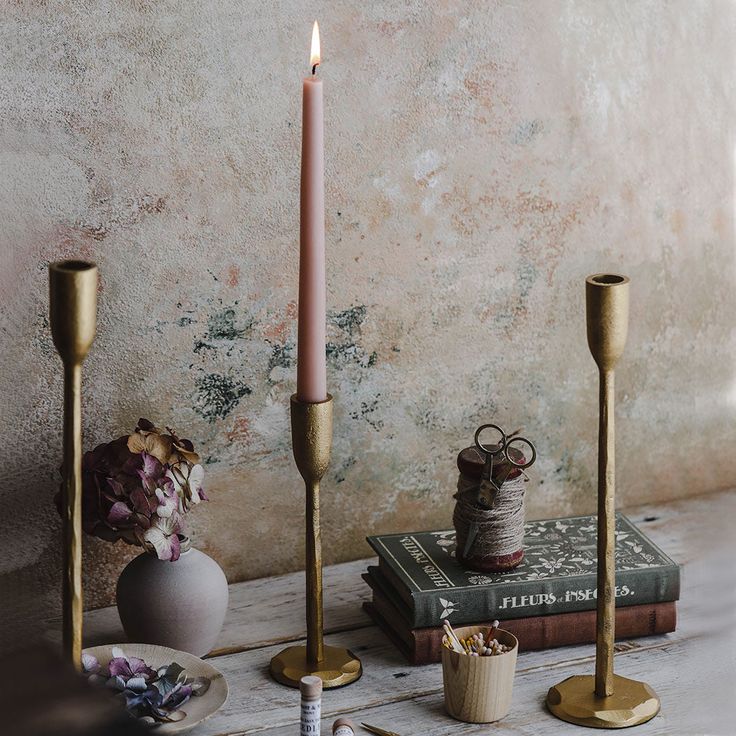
x=73, y=312
x=605, y=700
x=311, y=436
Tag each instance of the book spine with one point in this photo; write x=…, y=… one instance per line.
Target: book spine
x=545, y=632
x=398, y=641
x=541, y=597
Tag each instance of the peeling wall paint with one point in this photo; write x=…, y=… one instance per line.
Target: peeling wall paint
x=482, y=159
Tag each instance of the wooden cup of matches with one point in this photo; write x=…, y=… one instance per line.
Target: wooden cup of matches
x=478, y=667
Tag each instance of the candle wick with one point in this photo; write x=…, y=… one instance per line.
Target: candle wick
x=314, y=69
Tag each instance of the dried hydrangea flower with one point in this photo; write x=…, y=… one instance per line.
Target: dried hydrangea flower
x=138, y=488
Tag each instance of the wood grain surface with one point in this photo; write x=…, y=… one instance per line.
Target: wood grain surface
x=691, y=670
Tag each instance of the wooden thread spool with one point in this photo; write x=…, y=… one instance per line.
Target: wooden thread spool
x=499, y=544
x=479, y=689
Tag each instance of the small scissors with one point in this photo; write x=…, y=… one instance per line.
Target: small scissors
x=379, y=731
x=513, y=449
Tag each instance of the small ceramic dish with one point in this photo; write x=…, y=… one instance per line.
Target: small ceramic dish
x=196, y=708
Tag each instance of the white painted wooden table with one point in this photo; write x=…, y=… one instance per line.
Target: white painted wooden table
x=692, y=670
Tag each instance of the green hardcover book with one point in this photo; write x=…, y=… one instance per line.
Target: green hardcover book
x=557, y=575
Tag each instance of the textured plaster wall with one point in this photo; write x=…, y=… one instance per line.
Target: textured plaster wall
x=482, y=159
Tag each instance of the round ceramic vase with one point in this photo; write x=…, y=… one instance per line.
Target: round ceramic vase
x=179, y=604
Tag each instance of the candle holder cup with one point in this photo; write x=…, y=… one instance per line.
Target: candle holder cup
x=73, y=317
x=605, y=700
x=311, y=432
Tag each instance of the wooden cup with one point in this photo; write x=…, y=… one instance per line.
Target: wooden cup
x=478, y=689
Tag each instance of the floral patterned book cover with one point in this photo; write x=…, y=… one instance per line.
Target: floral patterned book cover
x=557, y=574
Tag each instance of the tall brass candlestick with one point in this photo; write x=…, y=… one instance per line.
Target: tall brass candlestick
x=73, y=312
x=311, y=436
x=606, y=700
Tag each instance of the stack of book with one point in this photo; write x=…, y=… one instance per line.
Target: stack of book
x=548, y=600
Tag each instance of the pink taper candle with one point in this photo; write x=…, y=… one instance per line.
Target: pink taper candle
x=311, y=374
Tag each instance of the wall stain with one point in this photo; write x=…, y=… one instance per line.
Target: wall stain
x=282, y=356
x=233, y=276
x=349, y=319
x=221, y=325
x=342, y=467
x=365, y=412
x=222, y=328
x=241, y=431
x=280, y=329
x=345, y=348
x=218, y=395
x=527, y=131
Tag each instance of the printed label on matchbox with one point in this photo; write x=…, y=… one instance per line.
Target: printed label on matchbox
x=310, y=718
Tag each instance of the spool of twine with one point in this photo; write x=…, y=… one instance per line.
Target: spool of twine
x=499, y=542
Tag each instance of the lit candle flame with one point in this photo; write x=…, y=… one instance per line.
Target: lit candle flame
x=314, y=59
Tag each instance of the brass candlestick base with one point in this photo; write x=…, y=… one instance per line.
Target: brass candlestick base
x=605, y=700
x=311, y=437
x=574, y=700
x=73, y=312
x=338, y=666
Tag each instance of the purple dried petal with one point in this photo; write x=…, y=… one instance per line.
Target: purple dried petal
x=145, y=703
x=119, y=666
x=116, y=683
x=119, y=513
x=175, y=548
x=164, y=543
x=167, y=505
x=138, y=684
x=176, y=697
x=116, y=487
x=148, y=483
x=139, y=667
x=152, y=468
x=90, y=663
x=142, y=503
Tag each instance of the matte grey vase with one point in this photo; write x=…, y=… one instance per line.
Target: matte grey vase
x=179, y=604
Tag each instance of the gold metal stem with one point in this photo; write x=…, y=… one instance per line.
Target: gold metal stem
x=311, y=435
x=606, y=700
x=71, y=504
x=315, y=638
x=311, y=438
x=606, y=603
x=73, y=316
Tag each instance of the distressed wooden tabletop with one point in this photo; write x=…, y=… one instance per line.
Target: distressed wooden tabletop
x=693, y=670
